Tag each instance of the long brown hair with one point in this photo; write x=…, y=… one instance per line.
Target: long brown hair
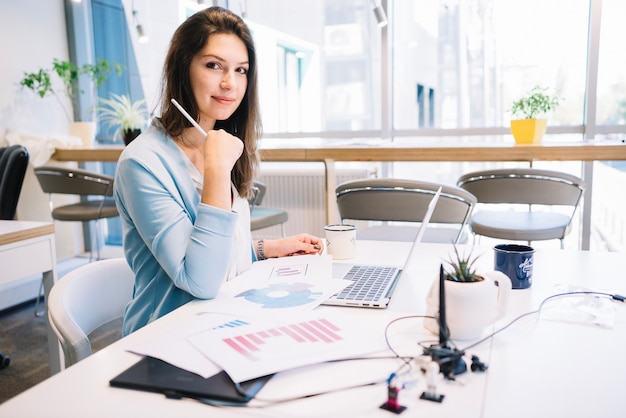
x=245, y=123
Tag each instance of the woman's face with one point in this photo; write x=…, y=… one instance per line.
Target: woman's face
x=219, y=77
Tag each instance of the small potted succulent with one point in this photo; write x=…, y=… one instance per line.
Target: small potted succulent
x=128, y=117
x=461, y=268
x=473, y=300
x=532, y=109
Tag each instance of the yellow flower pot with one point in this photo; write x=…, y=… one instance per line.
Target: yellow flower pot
x=528, y=131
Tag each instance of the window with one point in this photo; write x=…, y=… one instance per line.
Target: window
x=328, y=64
x=479, y=56
x=112, y=42
x=611, y=95
x=327, y=68
x=468, y=61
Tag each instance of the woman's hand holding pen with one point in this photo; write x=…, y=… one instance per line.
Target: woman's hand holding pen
x=295, y=245
x=221, y=152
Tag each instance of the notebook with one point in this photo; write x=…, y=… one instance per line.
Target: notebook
x=154, y=375
x=373, y=285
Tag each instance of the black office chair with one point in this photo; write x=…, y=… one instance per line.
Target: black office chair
x=13, y=164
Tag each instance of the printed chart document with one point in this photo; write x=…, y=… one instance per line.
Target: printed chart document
x=247, y=348
x=271, y=290
x=298, y=283
x=173, y=347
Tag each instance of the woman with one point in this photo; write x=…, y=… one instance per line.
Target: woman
x=182, y=197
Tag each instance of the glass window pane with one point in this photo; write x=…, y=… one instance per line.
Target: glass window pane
x=611, y=101
x=466, y=61
x=319, y=64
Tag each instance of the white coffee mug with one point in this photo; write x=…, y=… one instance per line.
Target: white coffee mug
x=341, y=241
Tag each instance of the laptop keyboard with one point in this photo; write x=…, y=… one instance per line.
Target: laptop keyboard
x=369, y=282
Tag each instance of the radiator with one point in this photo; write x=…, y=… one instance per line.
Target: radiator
x=302, y=193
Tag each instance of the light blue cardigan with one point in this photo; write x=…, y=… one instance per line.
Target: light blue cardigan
x=176, y=245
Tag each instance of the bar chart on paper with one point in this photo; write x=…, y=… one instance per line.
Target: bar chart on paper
x=254, y=346
x=249, y=348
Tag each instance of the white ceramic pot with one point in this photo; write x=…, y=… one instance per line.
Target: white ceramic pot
x=470, y=306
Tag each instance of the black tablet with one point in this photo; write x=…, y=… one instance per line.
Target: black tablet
x=154, y=375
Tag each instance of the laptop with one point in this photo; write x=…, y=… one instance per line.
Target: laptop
x=373, y=285
x=154, y=375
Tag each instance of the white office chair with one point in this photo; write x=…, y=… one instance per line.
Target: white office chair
x=396, y=200
x=85, y=299
x=538, y=191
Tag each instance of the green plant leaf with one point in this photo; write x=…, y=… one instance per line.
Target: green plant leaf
x=461, y=268
x=40, y=82
x=535, y=103
x=119, y=111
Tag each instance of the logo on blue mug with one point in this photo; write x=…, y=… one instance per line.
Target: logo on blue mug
x=516, y=261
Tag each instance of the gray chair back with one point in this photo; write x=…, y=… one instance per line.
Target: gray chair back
x=95, y=190
x=400, y=200
x=74, y=181
x=534, y=188
x=524, y=186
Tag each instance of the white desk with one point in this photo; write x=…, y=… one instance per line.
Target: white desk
x=537, y=368
x=28, y=249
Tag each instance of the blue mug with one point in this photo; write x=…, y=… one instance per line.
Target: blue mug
x=516, y=261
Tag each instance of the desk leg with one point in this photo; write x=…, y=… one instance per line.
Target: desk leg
x=585, y=243
x=332, y=213
x=54, y=348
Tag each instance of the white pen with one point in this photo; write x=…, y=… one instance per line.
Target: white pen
x=189, y=118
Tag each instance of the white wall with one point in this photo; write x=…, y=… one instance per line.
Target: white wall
x=32, y=33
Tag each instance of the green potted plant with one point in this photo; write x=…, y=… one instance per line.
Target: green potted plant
x=41, y=83
x=473, y=300
x=532, y=108
x=128, y=117
x=461, y=268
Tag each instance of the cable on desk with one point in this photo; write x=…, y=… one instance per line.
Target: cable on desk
x=400, y=319
x=613, y=296
x=406, y=360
